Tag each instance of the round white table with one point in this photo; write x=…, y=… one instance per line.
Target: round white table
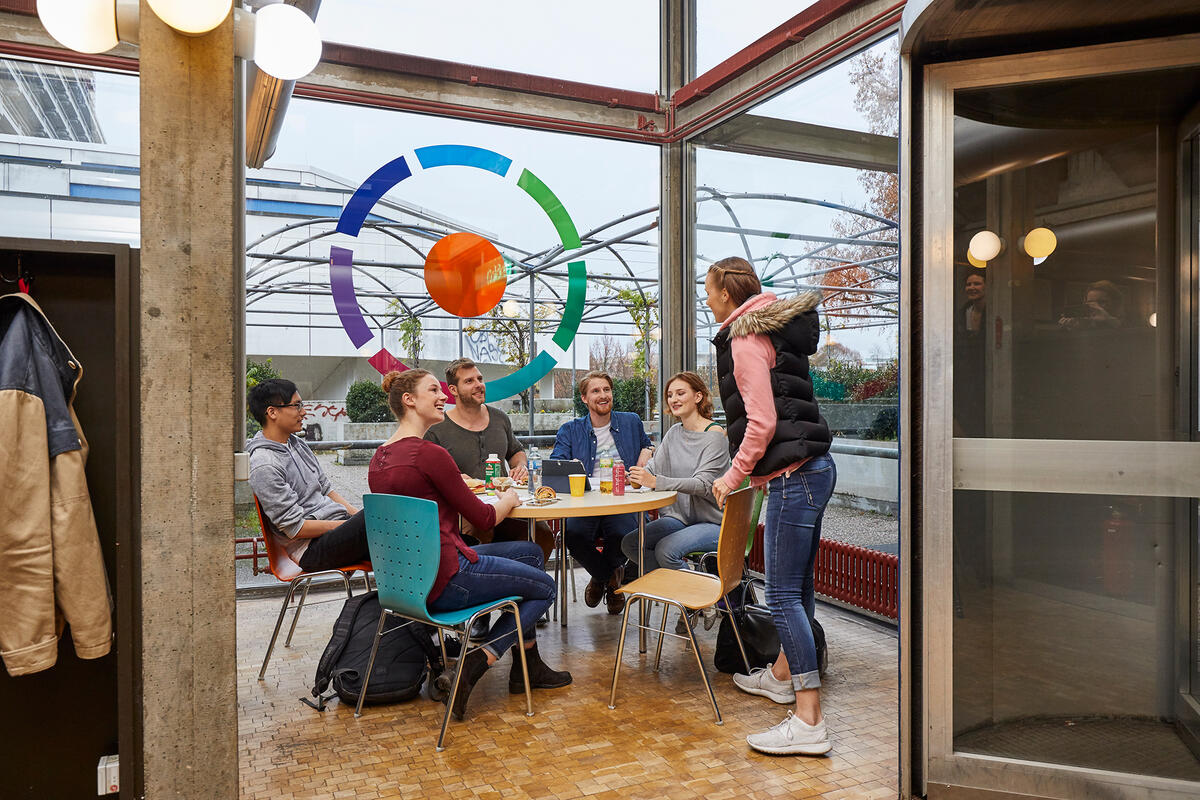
x=594, y=504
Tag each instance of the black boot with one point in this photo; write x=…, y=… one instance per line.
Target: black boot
x=479, y=630
x=540, y=674
x=472, y=670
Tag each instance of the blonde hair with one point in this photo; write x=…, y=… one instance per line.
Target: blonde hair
x=397, y=384
x=696, y=384
x=594, y=374
x=736, y=276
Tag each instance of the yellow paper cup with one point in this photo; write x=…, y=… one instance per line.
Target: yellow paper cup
x=577, y=484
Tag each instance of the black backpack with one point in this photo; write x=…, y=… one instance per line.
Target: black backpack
x=760, y=638
x=407, y=655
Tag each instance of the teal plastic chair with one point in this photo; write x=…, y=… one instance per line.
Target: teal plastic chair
x=405, y=552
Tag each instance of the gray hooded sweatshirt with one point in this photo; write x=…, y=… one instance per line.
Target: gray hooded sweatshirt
x=291, y=487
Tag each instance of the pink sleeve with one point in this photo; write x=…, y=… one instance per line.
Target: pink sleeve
x=753, y=358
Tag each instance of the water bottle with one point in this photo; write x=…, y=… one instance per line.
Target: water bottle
x=606, y=474
x=534, y=466
x=618, y=478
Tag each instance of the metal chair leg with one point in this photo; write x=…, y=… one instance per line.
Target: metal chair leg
x=700, y=663
x=662, y=633
x=612, y=697
x=370, y=662
x=287, y=599
x=296, y=617
x=516, y=612
x=736, y=633
x=465, y=633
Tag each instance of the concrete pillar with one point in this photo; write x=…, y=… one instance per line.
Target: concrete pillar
x=191, y=182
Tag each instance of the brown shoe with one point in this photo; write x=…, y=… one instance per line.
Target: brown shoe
x=616, y=602
x=594, y=592
x=614, y=580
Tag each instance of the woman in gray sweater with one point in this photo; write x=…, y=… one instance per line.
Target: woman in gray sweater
x=693, y=453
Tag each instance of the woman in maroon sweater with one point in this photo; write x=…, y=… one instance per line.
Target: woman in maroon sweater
x=408, y=464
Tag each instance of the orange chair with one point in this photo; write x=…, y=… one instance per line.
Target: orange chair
x=285, y=569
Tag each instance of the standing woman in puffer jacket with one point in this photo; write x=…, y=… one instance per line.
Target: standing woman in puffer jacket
x=777, y=438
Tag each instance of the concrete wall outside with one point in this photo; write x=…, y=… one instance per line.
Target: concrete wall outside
x=866, y=482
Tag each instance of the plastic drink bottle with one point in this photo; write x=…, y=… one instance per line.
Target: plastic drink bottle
x=534, y=466
x=491, y=470
x=606, y=474
x=618, y=477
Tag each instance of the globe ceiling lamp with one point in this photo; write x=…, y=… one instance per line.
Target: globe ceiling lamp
x=192, y=17
x=281, y=39
x=985, y=246
x=511, y=309
x=287, y=44
x=975, y=262
x=1039, y=243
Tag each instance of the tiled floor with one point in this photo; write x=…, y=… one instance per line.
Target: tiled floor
x=660, y=742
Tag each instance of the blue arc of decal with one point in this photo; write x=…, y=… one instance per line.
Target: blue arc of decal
x=367, y=195
x=462, y=155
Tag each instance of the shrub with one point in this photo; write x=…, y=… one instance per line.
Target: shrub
x=367, y=402
x=883, y=383
x=886, y=424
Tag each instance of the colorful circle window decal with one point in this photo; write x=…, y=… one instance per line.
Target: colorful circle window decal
x=464, y=273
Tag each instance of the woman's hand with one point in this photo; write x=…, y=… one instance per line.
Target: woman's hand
x=643, y=476
x=506, y=501
x=720, y=492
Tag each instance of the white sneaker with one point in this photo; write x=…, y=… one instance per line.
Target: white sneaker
x=762, y=683
x=792, y=737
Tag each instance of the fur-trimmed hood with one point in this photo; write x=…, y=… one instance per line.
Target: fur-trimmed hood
x=766, y=314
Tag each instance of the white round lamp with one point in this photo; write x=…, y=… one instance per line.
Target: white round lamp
x=85, y=26
x=192, y=17
x=511, y=309
x=287, y=44
x=985, y=246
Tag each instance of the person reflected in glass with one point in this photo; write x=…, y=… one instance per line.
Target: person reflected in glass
x=969, y=363
x=407, y=464
x=1103, y=307
x=778, y=439
x=692, y=454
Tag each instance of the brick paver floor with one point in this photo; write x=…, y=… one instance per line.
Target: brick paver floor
x=661, y=741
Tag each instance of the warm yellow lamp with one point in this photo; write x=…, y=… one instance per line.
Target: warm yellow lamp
x=975, y=262
x=1040, y=243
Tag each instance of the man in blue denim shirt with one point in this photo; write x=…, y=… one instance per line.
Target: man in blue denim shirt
x=587, y=438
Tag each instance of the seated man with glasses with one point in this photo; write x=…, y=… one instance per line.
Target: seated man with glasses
x=315, y=524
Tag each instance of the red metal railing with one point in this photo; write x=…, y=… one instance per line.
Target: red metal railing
x=255, y=553
x=857, y=576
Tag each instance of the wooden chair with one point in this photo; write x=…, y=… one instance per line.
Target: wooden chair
x=288, y=571
x=689, y=591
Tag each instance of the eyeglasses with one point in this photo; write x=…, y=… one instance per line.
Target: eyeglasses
x=297, y=406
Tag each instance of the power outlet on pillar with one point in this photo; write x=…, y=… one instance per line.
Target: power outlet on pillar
x=108, y=775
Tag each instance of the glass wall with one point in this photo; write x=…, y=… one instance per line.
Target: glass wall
x=777, y=187
x=723, y=29
x=68, y=153
x=604, y=191
x=614, y=46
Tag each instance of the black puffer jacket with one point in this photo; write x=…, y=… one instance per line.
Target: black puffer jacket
x=793, y=328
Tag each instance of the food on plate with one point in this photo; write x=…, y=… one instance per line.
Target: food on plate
x=546, y=493
x=502, y=482
x=475, y=485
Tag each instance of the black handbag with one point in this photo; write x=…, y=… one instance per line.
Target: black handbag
x=760, y=638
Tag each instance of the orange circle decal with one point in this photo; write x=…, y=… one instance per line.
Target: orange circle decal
x=465, y=274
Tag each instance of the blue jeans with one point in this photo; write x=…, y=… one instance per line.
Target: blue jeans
x=503, y=569
x=668, y=541
x=582, y=533
x=792, y=535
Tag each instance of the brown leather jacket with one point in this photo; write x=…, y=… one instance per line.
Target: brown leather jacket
x=51, y=566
